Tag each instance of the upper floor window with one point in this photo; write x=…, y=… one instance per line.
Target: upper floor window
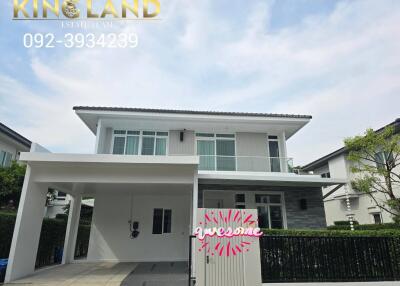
x=140, y=142
x=382, y=158
x=326, y=175
x=273, y=148
x=5, y=159
x=216, y=151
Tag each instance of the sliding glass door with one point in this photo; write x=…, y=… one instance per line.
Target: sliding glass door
x=217, y=152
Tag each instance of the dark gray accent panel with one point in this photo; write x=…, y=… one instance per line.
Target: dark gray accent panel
x=311, y=218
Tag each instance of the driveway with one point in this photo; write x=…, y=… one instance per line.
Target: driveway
x=109, y=274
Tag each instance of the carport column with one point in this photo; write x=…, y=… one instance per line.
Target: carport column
x=27, y=228
x=72, y=229
x=195, y=201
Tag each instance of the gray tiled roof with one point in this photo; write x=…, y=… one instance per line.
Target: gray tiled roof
x=14, y=135
x=195, y=112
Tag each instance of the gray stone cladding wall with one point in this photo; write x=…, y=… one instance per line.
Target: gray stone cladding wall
x=297, y=218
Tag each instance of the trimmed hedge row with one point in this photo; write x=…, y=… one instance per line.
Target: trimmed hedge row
x=299, y=232
x=382, y=226
x=51, y=239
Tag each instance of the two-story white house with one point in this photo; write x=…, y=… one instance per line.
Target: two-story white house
x=152, y=169
x=11, y=144
x=362, y=208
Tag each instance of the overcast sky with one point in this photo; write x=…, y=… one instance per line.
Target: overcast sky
x=338, y=61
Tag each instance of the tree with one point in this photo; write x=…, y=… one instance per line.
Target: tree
x=376, y=161
x=11, y=181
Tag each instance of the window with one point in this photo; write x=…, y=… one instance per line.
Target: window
x=382, y=158
x=270, y=210
x=273, y=147
x=140, y=142
x=377, y=218
x=5, y=159
x=162, y=221
x=61, y=196
x=326, y=175
x=216, y=151
x=240, y=201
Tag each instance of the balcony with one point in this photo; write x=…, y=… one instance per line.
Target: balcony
x=246, y=163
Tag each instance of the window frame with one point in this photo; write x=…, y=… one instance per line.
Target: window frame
x=373, y=217
x=214, y=138
x=250, y=199
x=268, y=204
x=162, y=221
x=274, y=138
x=140, y=135
x=5, y=157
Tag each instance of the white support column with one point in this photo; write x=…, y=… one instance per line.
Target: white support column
x=283, y=151
x=195, y=201
x=72, y=229
x=99, y=140
x=25, y=242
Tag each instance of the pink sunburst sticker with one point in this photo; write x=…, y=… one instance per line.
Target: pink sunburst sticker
x=224, y=232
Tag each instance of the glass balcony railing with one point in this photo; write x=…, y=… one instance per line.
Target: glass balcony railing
x=245, y=163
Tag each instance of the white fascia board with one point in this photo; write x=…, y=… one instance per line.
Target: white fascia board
x=270, y=176
x=108, y=158
x=229, y=119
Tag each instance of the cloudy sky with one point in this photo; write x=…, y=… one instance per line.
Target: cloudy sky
x=338, y=61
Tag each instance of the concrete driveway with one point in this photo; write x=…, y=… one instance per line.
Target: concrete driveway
x=109, y=274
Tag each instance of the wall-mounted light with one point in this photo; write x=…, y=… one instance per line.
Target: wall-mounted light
x=134, y=228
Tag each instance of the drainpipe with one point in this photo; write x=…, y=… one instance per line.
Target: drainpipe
x=346, y=189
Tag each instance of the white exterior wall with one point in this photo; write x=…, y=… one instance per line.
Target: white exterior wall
x=110, y=235
x=186, y=147
x=247, y=144
x=362, y=206
x=5, y=146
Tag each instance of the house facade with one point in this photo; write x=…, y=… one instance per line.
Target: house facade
x=153, y=170
x=362, y=208
x=11, y=144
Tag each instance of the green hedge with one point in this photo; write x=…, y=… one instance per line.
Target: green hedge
x=382, y=226
x=300, y=232
x=345, y=222
x=51, y=239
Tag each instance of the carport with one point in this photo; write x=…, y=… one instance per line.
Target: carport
x=109, y=274
x=125, y=189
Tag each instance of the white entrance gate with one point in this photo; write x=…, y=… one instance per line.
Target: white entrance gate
x=223, y=261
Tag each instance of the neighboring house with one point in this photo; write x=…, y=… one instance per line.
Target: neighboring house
x=151, y=171
x=11, y=144
x=61, y=200
x=362, y=207
x=57, y=204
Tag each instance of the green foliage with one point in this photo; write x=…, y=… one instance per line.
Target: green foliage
x=345, y=222
x=382, y=226
x=376, y=161
x=51, y=238
x=11, y=181
x=306, y=232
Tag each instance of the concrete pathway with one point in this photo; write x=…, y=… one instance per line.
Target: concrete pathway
x=80, y=274
x=158, y=274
